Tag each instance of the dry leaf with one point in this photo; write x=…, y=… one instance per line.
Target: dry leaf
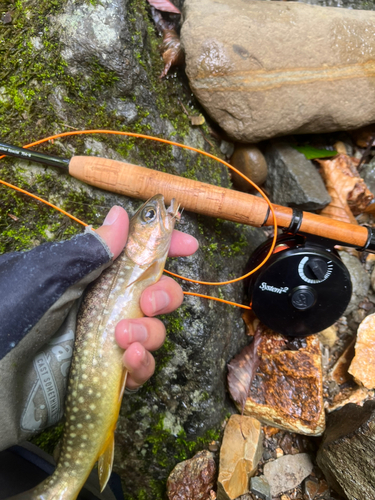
x=242, y=369
x=173, y=54
x=348, y=191
x=165, y=6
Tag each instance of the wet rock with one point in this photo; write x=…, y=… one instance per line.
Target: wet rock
x=360, y=280
x=363, y=365
x=347, y=450
x=240, y=453
x=355, y=395
x=260, y=487
x=94, y=31
x=287, y=472
x=192, y=479
x=293, y=180
x=287, y=391
x=259, y=86
x=250, y=161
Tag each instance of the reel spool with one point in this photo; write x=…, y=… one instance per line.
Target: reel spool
x=302, y=289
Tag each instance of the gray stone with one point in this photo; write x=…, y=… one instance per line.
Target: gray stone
x=287, y=472
x=260, y=487
x=276, y=68
x=360, y=280
x=346, y=454
x=293, y=180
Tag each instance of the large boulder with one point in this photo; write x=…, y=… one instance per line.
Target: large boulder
x=264, y=69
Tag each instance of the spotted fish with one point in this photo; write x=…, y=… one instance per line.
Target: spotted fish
x=97, y=377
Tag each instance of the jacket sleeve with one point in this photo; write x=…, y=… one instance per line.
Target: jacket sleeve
x=39, y=300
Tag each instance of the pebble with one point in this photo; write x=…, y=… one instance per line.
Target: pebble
x=192, y=478
x=249, y=160
x=260, y=487
x=287, y=472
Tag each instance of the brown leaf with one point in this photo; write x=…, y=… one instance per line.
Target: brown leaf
x=348, y=191
x=173, y=54
x=242, y=369
x=165, y=6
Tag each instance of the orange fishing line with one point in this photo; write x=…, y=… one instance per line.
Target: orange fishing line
x=172, y=143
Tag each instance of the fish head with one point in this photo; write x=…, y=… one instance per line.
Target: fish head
x=150, y=231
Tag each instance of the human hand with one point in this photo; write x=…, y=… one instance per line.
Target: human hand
x=140, y=336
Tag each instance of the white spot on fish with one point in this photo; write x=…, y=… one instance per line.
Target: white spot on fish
x=72, y=434
x=75, y=409
x=84, y=376
x=81, y=400
x=80, y=386
x=67, y=464
x=92, y=407
x=79, y=426
x=69, y=448
x=88, y=417
x=83, y=445
x=91, y=325
x=84, y=437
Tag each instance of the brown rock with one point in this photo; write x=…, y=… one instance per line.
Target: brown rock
x=287, y=391
x=315, y=73
x=192, y=479
x=240, y=453
x=363, y=365
x=250, y=161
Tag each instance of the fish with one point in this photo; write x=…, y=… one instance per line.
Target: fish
x=97, y=375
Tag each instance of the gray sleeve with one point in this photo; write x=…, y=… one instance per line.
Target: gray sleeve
x=39, y=300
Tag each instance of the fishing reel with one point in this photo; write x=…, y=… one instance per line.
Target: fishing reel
x=303, y=288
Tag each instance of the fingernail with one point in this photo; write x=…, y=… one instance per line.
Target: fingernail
x=159, y=300
x=138, y=333
x=146, y=359
x=112, y=216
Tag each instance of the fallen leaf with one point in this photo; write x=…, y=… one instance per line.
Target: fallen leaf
x=241, y=370
x=165, y=6
x=173, y=54
x=349, y=193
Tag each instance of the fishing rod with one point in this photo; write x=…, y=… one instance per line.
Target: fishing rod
x=202, y=198
x=304, y=281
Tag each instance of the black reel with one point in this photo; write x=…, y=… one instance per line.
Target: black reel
x=302, y=289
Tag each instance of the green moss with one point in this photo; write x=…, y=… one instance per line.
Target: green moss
x=49, y=438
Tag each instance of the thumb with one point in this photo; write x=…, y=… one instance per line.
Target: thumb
x=114, y=230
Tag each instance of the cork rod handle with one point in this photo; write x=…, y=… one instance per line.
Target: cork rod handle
x=206, y=199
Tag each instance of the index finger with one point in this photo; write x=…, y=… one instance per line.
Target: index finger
x=182, y=244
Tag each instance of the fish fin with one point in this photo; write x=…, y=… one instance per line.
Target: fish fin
x=123, y=384
x=151, y=271
x=105, y=462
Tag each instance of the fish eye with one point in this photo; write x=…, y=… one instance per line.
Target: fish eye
x=148, y=214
